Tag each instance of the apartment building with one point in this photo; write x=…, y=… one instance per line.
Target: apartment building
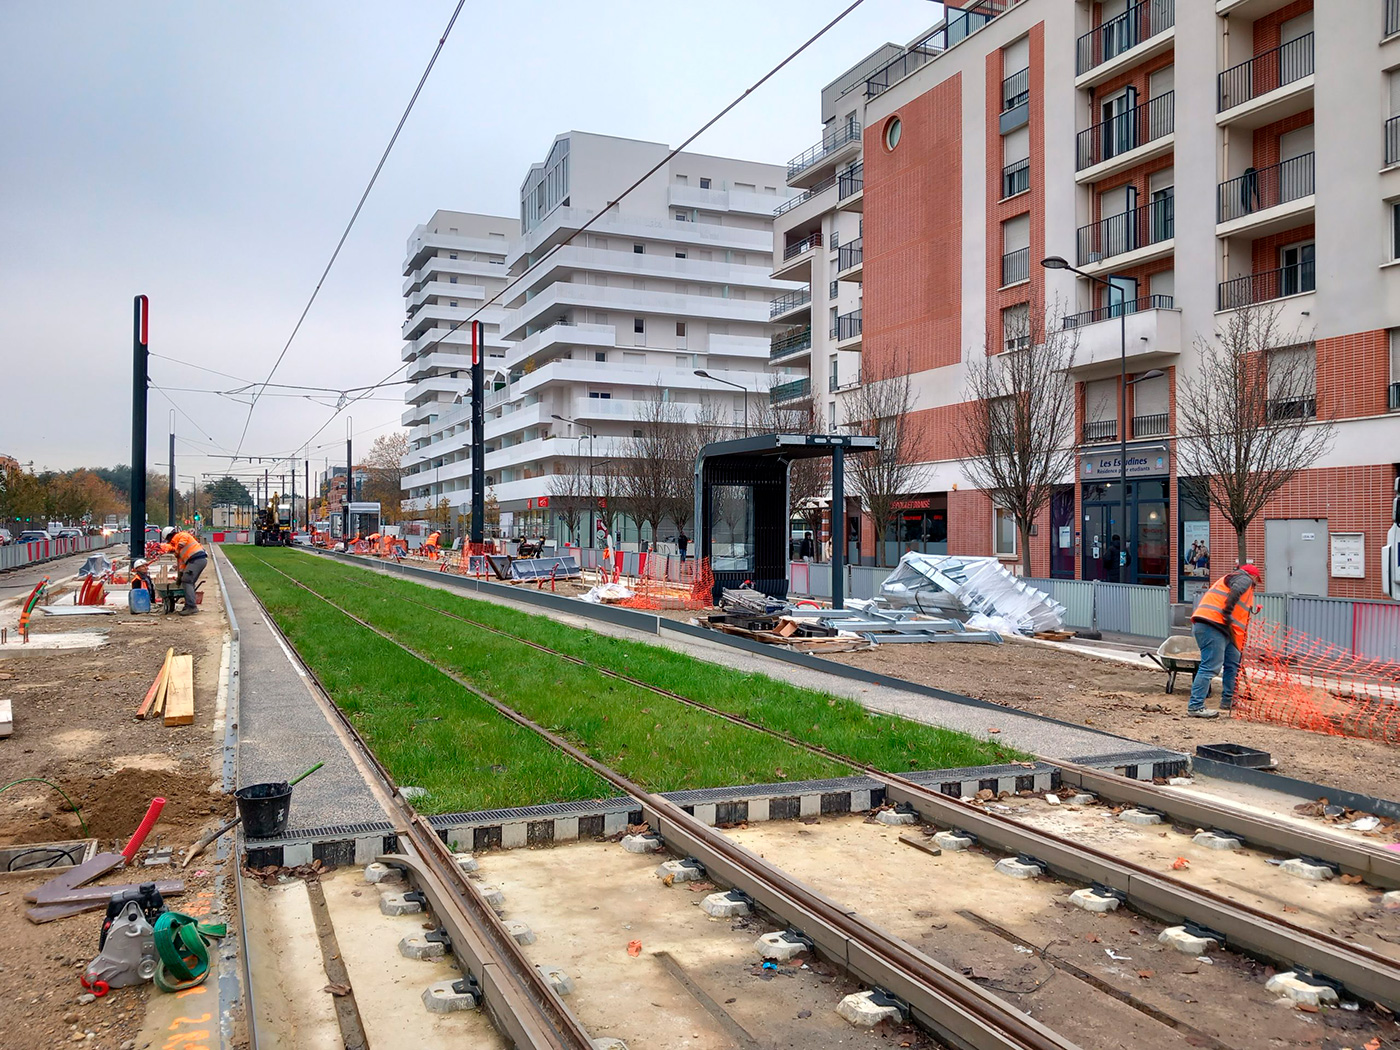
x=673, y=281
x=1196, y=158
x=454, y=263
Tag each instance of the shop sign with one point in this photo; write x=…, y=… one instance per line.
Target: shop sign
x=1142, y=463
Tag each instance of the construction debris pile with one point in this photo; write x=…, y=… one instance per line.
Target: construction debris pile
x=977, y=589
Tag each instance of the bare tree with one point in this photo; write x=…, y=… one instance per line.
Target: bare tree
x=654, y=462
x=569, y=496
x=384, y=465
x=1017, y=437
x=691, y=438
x=1246, y=415
x=882, y=407
x=809, y=478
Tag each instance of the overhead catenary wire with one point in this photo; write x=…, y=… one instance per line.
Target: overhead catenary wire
x=442, y=40
x=515, y=282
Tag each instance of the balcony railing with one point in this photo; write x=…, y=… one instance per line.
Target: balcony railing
x=1127, y=131
x=849, y=255
x=846, y=133
x=852, y=181
x=1016, y=266
x=959, y=24
x=1279, y=409
x=1015, y=178
x=790, y=391
x=1393, y=400
x=1140, y=22
x=1261, y=188
x=1127, y=231
x=847, y=326
x=1016, y=89
x=1392, y=137
x=1101, y=430
x=790, y=342
x=1270, y=284
x=804, y=196
x=812, y=240
x=790, y=301
x=1103, y=313
x=1150, y=426
x=1392, y=17
x=1263, y=73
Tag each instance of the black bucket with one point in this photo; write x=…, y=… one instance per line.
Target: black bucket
x=264, y=809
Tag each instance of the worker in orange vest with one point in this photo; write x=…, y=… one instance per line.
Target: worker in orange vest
x=191, y=559
x=1221, y=626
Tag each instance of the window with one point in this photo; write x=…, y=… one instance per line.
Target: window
x=636, y=433
x=1101, y=410
x=638, y=326
x=1162, y=187
x=833, y=289
x=1394, y=402
x=893, y=131
x=1016, y=250
x=680, y=216
x=704, y=184
x=1298, y=271
x=1003, y=533
x=831, y=416
x=600, y=395
x=1293, y=382
x=680, y=255
x=1016, y=162
x=452, y=280
x=1395, y=230
x=452, y=255
x=681, y=180
x=639, y=249
x=600, y=355
x=680, y=329
x=1016, y=327
x=452, y=229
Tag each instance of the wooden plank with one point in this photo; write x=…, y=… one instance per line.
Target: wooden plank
x=179, y=699
x=159, y=706
x=923, y=847
x=161, y=677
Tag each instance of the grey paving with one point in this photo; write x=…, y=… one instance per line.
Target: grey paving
x=282, y=729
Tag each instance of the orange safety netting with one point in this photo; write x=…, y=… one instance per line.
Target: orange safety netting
x=1294, y=679
x=666, y=582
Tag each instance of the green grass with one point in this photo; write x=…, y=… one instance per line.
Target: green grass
x=659, y=742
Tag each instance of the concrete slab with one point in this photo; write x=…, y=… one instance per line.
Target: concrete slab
x=1139, y=817
x=1215, y=840
x=952, y=842
x=1303, y=869
x=442, y=997
x=376, y=873
x=558, y=979
x=1016, y=869
x=680, y=871
x=1299, y=991
x=1087, y=899
x=396, y=904
x=648, y=843
x=724, y=905
x=863, y=1012
x=894, y=817
x=1187, y=943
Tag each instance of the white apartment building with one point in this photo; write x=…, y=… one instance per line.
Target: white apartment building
x=454, y=263
x=673, y=280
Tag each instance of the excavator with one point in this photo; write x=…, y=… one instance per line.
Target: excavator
x=274, y=525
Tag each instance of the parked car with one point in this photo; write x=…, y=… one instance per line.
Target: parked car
x=70, y=534
x=6, y=538
x=33, y=536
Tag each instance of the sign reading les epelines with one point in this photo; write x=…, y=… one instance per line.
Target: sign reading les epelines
x=1142, y=463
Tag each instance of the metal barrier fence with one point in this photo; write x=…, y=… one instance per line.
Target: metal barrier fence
x=19, y=554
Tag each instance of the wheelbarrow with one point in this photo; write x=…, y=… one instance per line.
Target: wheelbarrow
x=1177, y=653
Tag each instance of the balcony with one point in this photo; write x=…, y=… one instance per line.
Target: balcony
x=1392, y=137
x=797, y=259
x=1139, y=33
x=807, y=167
x=1150, y=426
x=1283, y=409
x=1267, y=285
x=850, y=260
x=1145, y=233
x=1136, y=135
x=1150, y=332
x=1100, y=430
x=959, y=23
x=815, y=190
x=1016, y=267
x=1015, y=101
x=1392, y=17
x=790, y=303
x=1015, y=178
x=850, y=190
x=847, y=330
x=785, y=393
x=1267, y=87
x=793, y=341
x=1267, y=200
x=561, y=336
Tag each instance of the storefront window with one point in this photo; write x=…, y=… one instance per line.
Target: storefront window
x=1004, y=537
x=1062, y=533
x=1140, y=553
x=1194, y=541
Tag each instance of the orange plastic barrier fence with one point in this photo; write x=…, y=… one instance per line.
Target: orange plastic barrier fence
x=663, y=583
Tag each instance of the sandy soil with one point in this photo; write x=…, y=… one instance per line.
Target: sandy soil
x=74, y=725
x=1122, y=699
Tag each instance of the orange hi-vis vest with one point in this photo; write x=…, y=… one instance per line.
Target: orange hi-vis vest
x=185, y=547
x=1212, y=609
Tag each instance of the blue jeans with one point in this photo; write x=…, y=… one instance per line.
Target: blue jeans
x=1217, y=651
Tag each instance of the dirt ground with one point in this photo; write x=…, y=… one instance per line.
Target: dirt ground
x=75, y=725
x=1122, y=699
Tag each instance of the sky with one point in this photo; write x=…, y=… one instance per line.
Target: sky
x=209, y=156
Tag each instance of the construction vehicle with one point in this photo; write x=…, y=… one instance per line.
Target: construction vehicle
x=274, y=525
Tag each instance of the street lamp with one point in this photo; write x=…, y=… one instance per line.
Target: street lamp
x=1055, y=262
x=578, y=442
x=706, y=375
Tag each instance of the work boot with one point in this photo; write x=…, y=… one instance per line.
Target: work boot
x=191, y=610
x=1204, y=712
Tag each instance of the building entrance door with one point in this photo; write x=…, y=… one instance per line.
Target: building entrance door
x=1295, y=556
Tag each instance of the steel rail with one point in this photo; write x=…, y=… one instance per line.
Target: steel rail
x=519, y=999
x=1248, y=929
x=940, y=998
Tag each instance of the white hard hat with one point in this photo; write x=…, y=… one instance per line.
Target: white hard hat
x=168, y=531
x=140, y=563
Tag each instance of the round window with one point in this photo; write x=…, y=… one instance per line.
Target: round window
x=892, y=132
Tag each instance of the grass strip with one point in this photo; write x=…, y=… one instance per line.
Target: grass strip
x=837, y=723
x=426, y=729
x=656, y=741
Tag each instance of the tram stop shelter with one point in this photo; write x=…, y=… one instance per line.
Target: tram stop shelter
x=742, y=507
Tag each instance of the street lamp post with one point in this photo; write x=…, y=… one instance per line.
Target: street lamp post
x=1055, y=262
x=577, y=443
x=716, y=379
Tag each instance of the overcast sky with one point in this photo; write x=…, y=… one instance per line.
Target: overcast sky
x=209, y=156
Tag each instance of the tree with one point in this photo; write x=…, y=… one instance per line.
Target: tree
x=882, y=407
x=690, y=439
x=1017, y=437
x=1245, y=416
x=228, y=492
x=809, y=478
x=385, y=470
x=655, y=464
x=569, y=496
